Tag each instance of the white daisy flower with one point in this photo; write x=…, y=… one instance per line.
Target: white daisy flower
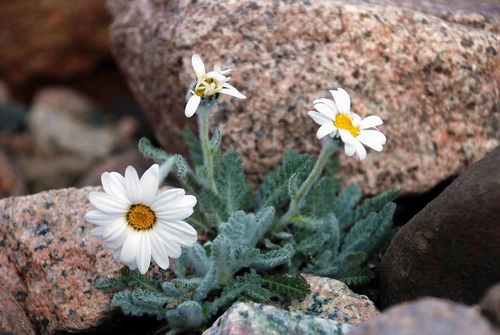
x=337, y=120
x=208, y=85
x=137, y=222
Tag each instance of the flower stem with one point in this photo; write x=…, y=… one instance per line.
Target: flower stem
x=323, y=158
x=208, y=159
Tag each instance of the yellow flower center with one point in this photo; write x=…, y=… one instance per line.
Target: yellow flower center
x=343, y=121
x=141, y=217
x=206, y=87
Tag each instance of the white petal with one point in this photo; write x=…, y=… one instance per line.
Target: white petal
x=158, y=251
x=167, y=199
x=188, y=201
x=182, y=230
x=350, y=149
x=342, y=100
x=371, y=121
x=325, y=129
x=116, y=234
x=150, y=181
x=224, y=72
x=325, y=110
x=107, y=202
x=116, y=184
x=346, y=136
x=198, y=66
x=170, y=246
x=130, y=248
x=100, y=218
x=217, y=77
x=232, y=91
x=133, y=185
x=319, y=118
x=98, y=231
x=192, y=105
x=355, y=119
x=327, y=102
x=373, y=139
x=143, y=257
x=174, y=214
x=116, y=254
x=360, y=151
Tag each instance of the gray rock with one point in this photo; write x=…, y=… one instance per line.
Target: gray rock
x=432, y=80
x=428, y=316
x=450, y=249
x=490, y=305
x=252, y=318
x=332, y=299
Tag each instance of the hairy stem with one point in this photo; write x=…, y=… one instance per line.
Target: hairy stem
x=323, y=158
x=203, y=124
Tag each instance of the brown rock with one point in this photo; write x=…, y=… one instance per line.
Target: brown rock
x=332, y=299
x=52, y=39
x=426, y=316
x=450, y=249
x=12, y=316
x=50, y=262
x=433, y=81
x=490, y=305
x=11, y=181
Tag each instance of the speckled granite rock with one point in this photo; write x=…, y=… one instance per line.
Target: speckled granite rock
x=428, y=316
x=251, y=318
x=12, y=316
x=49, y=261
x=432, y=80
x=332, y=299
x=451, y=248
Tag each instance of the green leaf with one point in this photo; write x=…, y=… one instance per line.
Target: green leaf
x=148, y=150
x=130, y=305
x=150, y=297
x=345, y=202
x=287, y=287
x=188, y=315
x=320, y=201
x=273, y=258
x=214, y=207
x=274, y=189
x=200, y=262
x=186, y=176
x=248, y=284
x=232, y=183
x=365, y=233
x=248, y=229
x=215, y=140
x=292, y=187
x=123, y=280
x=194, y=146
x=357, y=277
x=371, y=205
x=199, y=222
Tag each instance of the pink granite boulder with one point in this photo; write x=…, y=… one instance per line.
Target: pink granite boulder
x=433, y=80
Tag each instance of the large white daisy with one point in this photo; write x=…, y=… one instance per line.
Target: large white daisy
x=337, y=120
x=208, y=85
x=137, y=222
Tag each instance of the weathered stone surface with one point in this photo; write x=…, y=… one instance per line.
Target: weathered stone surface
x=69, y=137
x=332, y=299
x=432, y=80
x=490, y=305
x=428, y=316
x=251, y=318
x=49, y=262
x=11, y=181
x=450, y=249
x=53, y=39
x=12, y=317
